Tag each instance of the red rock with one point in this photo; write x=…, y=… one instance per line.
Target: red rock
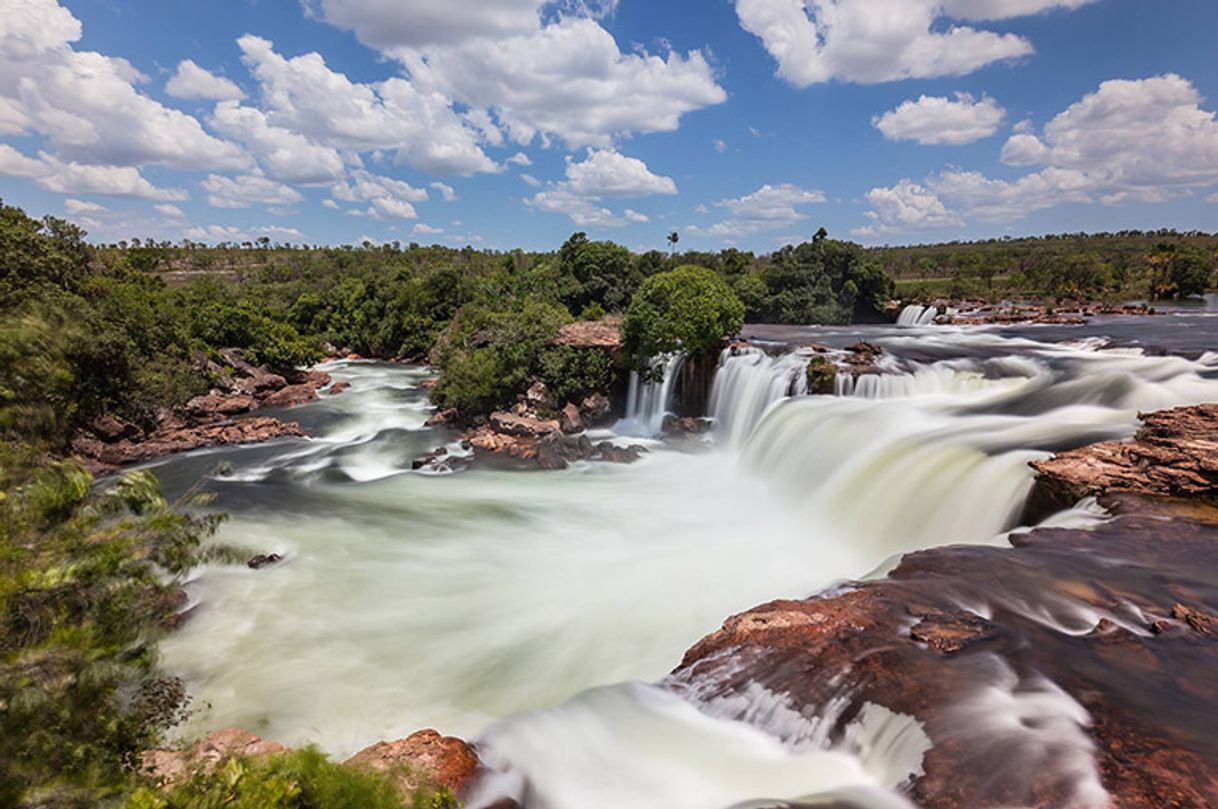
x=595, y=407
x=442, y=760
x=218, y=405
x=110, y=429
x=291, y=396
x=170, y=767
x=571, y=419
x=605, y=333
x=524, y=426
x=338, y=387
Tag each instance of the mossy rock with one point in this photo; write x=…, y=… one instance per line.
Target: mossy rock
x=822, y=376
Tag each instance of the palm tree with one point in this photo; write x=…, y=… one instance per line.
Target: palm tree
x=673, y=238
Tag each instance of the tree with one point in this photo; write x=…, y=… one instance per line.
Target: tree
x=689, y=309
x=673, y=238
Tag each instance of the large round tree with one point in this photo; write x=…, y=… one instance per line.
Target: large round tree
x=688, y=310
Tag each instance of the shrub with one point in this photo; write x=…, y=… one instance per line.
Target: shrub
x=689, y=309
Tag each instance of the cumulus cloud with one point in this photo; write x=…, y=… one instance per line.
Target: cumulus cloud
x=387, y=198
x=769, y=208
x=75, y=207
x=247, y=190
x=1129, y=141
x=283, y=154
x=232, y=233
x=65, y=177
x=446, y=192
x=871, y=41
x=543, y=68
x=1006, y=9
x=192, y=81
x=86, y=105
x=934, y=120
x=303, y=95
x=520, y=159
x=602, y=174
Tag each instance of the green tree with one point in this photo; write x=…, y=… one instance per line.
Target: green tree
x=689, y=309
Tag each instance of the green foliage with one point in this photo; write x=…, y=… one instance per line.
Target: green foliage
x=300, y=779
x=689, y=309
x=88, y=579
x=571, y=373
x=821, y=282
x=1178, y=272
x=605, y=272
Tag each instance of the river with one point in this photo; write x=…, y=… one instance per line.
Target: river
x=536, y=612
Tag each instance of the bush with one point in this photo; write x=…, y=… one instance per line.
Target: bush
x=689, y=309
x=571, y=373
x=301, y=779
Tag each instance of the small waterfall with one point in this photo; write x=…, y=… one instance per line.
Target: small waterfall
x=748, y=384
x=941, y=379
x=914, y=315
x=647, y=403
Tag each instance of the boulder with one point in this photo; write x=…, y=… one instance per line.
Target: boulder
x=216, y=404
x=171, y=767
x=686, y=425
x=538, y=396
x=558, y=451
x=291, y=396
x=263, y=560
x=109, y=429
x=338, y=387
x=527, y=426
x=594, y=408
x=443, y=417
x=612, y=453
x=441, y=760
x=571, y=419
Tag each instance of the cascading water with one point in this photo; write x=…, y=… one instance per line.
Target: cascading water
x=649, y=402
x=491, y=598
x=915, y=315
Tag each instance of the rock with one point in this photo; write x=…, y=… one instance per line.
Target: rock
x=595, y=408
x=822, y=376
x=538, y=396
x=612, y=453
x=557, y=451
x=443, y=417
x=443, y=760
x=312, y=378
x=1174, y=454
x=517, y=425
x=686, y=425
x=109, y=429
x=171, y=767
x=173, y=435
x=259, y=383
x=1136, y=707
x=606, y=334
x=214, y=404
x=291, y=396
x=571, y=419
x=263, y=560
x=338, y=387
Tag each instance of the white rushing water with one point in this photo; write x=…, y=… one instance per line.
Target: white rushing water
x=915, y=315
x=649, y=402
x=515, y=601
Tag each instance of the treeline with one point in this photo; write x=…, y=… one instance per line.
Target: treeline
x=1154, y=265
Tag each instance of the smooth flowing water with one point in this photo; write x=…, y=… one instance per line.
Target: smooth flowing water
x=527, y=609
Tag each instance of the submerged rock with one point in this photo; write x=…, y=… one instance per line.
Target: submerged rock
x=263, y=560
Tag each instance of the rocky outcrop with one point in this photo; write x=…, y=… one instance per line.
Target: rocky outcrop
x=1075, y=663
x=239, y=388
x=1174, y=454
x=1069, y=313
x=423, y=759
x=442, y=761
x=544, y=443
x=172, y=435
x=522, y=425
x=604, y=334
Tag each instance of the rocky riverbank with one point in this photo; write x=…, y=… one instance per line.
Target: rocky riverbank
x=219, y=417
x=1074, y=669
x=977, y=312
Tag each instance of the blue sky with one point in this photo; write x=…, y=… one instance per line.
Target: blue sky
x=505, y=123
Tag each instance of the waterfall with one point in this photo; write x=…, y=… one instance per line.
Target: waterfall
x=648, y=402
x=915, y=315
x=748, y=384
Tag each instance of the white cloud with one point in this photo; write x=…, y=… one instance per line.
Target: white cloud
x=169, y=211
x=64, y=177
x=634, y=216
x=425, y=230
x=388, y=198
x=192, y=81
x=933, y=120
x=771, y=207
x=1129, y=141
x=871, y=41
x=284, y=155
x=232, y=233
x=86, y=105
x=447, y=192
x=305, y=96
x=331, y=204
x=529, y=179
x=520, y=159
x=603, y=174
x=720, y=146
x=907, y=206
x=247, y=190
x=75, y=207
x=544, y=68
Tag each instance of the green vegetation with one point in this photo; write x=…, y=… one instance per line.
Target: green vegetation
x=1110, y=267
x=300, y=779
x=689, y=310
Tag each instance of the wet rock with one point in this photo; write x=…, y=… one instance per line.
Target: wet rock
x=686, y=425
x=822, y=376
x=441, y=760
x=570, y=419
x=338, y=387
x=291, y=396
x=612, y=453
x=595, y=408
x=259, y=383
x=1022, y=706
x=538, y=397
x=170, y=767
x=558, y=451
x=1174, y=454
x=519, y=425
x=215, y=404
x=173, y=436
x=109, y=429
x=448, y=416
x=263, y=560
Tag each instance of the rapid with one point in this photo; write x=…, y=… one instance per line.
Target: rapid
x=539, y=612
